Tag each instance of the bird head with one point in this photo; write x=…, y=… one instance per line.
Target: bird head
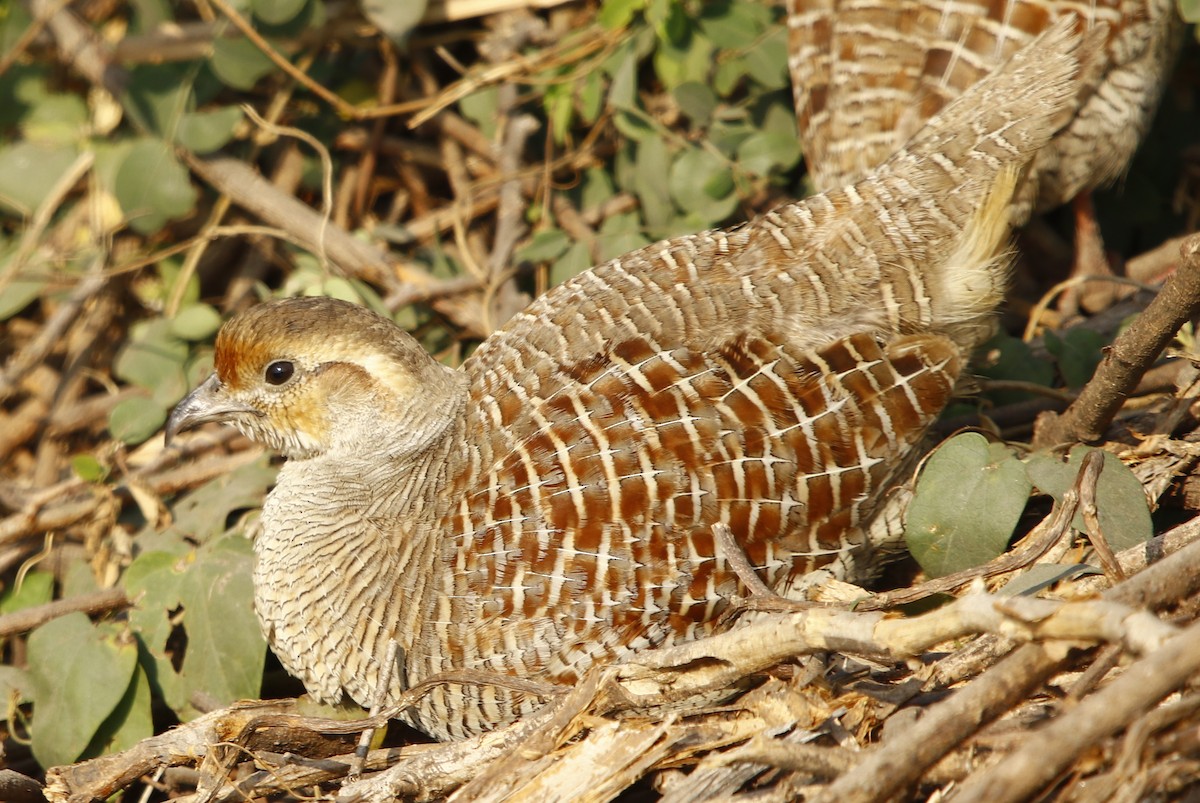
x=315, y=376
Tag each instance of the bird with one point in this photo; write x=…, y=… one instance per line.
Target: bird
x=867, y=75
x=549, y=505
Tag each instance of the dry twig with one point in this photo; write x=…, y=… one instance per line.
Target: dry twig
x=1129, y=356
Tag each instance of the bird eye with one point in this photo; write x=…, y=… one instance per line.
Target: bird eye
x=279, y=372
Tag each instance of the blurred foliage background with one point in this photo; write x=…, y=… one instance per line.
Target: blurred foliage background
x=164, y=164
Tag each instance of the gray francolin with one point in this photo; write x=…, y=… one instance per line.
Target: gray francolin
x=550, y=505
x=867, y=74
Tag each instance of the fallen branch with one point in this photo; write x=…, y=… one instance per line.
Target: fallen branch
x=18, y=788
x=895, y=765
x=51, y=333
x=1130, y=355
x=100, y=778
x=652, y=679
x=1044, y=754
x=723, y=659
x=983, y=652
x=22, y=621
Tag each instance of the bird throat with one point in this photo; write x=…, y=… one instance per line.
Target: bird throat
x=344, y=561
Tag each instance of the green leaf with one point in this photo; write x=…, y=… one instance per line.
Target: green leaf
x=574, y=260
x=135, y=420
x=677, y=64
x=310, y=18
x=226, y=649
x=622, y=66
x=211, y=586
x=56, y=118
x=1006, y=357
x=968, y=499
x=734, y=26
x=777, y=114
x=546, y=245
x=159, y=95
x=19, y=294
x=15, y=685
x=1121, y=503
x=480, y=108
x=651, y=182
x=131, y=720
x=595, y=188
x=1078, y=352
x=77, y=579
x=149, y=14
x=154, y=599
x=204, y=513
x=88, y=468
x=14, y=23
x=196, y=322
x=767, y=60
x=697, y=101
x=28, y=171
x=764, y=152
x=702, y=183
x=335, y=287
x=728, y=75
x=238, y=63
x=79, y=674
x=1190, y=11
x=206, y=131
x=36, y=589
x=590, y=96
x=620, y=234
x=394, y=20
x=22, y=86
x=636, y=126
x=152, y=186
x=277, y=12
x=152, y=581
x=616, y=14
x=728, y=135
x=154, y=359
x=169, y=275
x=670, y=21
x=560, y=109
x=1043, y=575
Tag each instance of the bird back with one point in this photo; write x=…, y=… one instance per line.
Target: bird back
x=868, y=75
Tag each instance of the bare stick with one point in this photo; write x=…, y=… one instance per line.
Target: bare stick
x=51, y=334
x=249, y=190
x=1130, y=355
x=737, y=561
x=22, y=621
x=18, y=788
x=1093, y=463
x=893, y=766
x=1047, y=752
x=1156, y=263
x=385, y=681
x=297, y=75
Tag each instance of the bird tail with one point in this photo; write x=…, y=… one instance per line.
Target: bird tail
x=922, y=241
x=966, y=164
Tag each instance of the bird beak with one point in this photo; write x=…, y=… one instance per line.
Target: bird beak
x=208, y=402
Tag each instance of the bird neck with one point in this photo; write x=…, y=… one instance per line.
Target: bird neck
x=341, y=521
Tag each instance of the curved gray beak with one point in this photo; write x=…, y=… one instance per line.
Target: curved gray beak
x=208, y=402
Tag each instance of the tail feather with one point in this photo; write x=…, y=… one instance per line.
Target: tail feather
x=932, y=222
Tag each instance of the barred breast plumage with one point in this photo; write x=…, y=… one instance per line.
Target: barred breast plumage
x=867, y=74
x=550, y=505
